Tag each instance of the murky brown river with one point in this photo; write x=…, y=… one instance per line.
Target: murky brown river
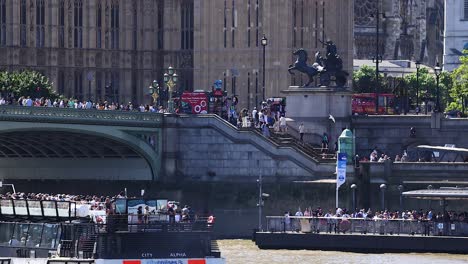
x=245, y=251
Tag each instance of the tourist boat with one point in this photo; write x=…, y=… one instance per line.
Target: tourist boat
x=60, y=232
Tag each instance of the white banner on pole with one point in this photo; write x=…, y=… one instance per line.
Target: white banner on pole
x=341, y=170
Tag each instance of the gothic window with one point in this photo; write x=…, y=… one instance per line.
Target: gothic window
x=256, y=88
x=466, y=10
x=187, y=25
x=79, y=85
x=294, y=13
x=98, y=95
x=61, y=29
x=225, y=23
x=23, y=21
x=234, y=23
x=257, y=22
x=115, y=86
x=99, y=25
x=78, y=24
x=233, y=83
x=224, y=81
x=363, y=10
x=135, y=26
x=302, y=23
x=115, y=25
x=2, y=22
x=61, y=83
x=161, y=24
x=248, y=90
x=40, y=25
x=108, y=87
x=248, y=22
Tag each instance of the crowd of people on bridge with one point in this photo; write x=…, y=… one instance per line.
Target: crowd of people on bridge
x=77, y=104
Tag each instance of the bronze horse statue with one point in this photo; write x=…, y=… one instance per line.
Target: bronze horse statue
x=329, y=69
x=301, y=66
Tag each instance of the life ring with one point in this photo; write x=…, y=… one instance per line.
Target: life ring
x=197, y=109
x=203, y=103
x=211, y=220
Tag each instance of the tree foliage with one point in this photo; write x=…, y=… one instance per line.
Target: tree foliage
x=26, y=83
x=459, y=90
x=364, y=80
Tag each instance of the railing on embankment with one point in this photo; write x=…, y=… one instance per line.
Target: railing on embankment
x=335, y=225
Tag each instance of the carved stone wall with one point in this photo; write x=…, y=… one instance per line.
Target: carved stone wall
x=410, y=29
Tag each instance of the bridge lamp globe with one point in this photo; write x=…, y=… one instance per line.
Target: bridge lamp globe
x=155, y=84
x=264, y=41
x=151, y=89
x=166, y=77
x=175, y=77
x=170, y=70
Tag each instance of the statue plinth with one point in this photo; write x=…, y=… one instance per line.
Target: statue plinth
x=314, y=105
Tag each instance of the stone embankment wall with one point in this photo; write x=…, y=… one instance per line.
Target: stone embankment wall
x=391, y=134
x=206, y=148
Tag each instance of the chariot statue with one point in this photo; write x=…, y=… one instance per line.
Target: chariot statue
x=329, y=69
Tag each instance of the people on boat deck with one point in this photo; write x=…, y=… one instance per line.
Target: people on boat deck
x=417, y=215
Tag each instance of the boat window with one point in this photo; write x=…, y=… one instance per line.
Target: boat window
x=20, y=235
x=49, y=208
x=63, y=209
x=20, y=207
x=7, y=207
x=121, y=206
x=34, y=235
x=49, y=236
x=6, y=231
x=34, y=208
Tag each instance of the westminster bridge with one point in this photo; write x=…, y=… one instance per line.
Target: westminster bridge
x=39, y=143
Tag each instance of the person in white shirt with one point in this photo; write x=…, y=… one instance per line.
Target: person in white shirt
x=301, y=132
x=282, y=122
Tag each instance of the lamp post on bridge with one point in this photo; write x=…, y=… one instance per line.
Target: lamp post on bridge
x=418, y=66
x=264, y=44
x=154, y=92
x=437, y=71
x=170, y=79
x=378, y=58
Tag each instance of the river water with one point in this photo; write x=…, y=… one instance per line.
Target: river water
x=245, y=251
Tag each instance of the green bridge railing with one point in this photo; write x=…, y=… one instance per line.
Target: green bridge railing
x=67, y=115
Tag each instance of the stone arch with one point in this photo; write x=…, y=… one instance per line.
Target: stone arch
x=109, y=134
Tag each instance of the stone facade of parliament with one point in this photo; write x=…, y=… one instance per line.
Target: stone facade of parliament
x=113, y=49
x=410, y=30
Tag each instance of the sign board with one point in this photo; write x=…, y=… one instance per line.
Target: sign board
x=194, y=103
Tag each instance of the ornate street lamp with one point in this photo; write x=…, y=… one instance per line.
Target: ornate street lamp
x=154, y=91
x=264, y=44
x=418, y=66
x=170, y=79
x=437, y=71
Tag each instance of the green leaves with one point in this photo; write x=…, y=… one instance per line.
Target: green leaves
x=26, y=83
x=459, y=90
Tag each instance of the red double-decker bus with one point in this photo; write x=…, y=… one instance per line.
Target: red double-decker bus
x=365, y=104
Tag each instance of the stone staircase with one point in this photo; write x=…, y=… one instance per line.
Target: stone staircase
x=313, y=151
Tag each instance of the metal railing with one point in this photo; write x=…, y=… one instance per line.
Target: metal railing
x=334, y=225
x=152, y=223
x=54, y=113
